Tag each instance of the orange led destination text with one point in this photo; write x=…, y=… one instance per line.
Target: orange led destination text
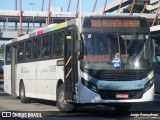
x=115, y=23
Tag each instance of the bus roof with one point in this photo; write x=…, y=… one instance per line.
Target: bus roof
x=54, y=27
x=44, y=30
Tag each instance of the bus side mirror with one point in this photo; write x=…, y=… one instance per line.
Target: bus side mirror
x=80, y=49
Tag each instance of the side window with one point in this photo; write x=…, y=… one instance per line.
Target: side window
x=36, y=48
x=21, y=52
x=58, y=45
x=8, y=55
x=28, y=50
x=46, y=46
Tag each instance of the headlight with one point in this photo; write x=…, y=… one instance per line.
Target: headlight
x=89, y=85
x=148, y=85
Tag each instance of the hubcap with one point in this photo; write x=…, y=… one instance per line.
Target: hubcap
x=22, y=93
x=61, y=100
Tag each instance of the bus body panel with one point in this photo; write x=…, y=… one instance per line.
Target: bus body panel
x=93, y=97
x=40, y=78
x=7, y=78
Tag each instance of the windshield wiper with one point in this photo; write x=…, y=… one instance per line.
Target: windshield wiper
x=106, y=43
x=134, y=36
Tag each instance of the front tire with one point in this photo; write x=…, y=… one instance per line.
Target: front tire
x=62, y=104
x=22, y=95
x=122, y=107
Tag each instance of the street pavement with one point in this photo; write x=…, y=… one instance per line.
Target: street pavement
x=48, y=110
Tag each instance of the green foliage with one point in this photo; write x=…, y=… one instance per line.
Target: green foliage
x=138, y=7
x=2, y=49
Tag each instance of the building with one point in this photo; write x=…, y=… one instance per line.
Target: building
x=113, y=6
x=154, y=4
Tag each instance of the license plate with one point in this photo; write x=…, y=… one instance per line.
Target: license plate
x=122, y=96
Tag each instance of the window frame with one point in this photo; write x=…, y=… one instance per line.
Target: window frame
x=55, y=45
x=40, y=48
x=6, y=60
x=18, y=60
x=31, y=50
x=50, y=35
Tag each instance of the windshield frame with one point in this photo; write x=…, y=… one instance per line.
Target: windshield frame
x=118, y=34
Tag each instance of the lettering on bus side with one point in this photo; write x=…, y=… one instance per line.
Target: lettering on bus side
x=24, y=70
x=52, y=68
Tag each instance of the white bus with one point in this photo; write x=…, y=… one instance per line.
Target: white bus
x=104, y=60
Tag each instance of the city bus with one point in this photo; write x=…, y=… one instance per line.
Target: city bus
x=97, y=60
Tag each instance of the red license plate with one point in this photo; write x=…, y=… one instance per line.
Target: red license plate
x=122, y=96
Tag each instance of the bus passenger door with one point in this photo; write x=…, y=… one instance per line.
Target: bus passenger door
x=70, y=65
x=13, y=70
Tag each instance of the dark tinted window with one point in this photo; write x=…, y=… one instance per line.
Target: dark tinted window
x=46, y=48
x=8, y=55
x=28, y=50
x=20, y=52
x=37, y=48
x=58, y=45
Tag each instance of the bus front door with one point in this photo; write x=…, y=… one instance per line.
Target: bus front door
x=70, y=65
x=13, y=70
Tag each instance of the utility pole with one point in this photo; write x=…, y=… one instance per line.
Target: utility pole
x=120, y=6
x=16, y=5
x=42, y=4
x=77, y=9
x=156, y=15
x=132, y=7
x=20, y=30
x=104, y=8
x=94, y=6
x=33, y=15
x=145, y=6
x=49, y=12
x=68, y=5
x=31, y=5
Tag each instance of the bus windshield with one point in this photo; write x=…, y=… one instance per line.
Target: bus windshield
x=115, y=51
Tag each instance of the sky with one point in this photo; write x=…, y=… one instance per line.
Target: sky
x=87, y=5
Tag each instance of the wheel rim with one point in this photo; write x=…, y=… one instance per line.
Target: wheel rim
x=61, y=100
x=22, y=93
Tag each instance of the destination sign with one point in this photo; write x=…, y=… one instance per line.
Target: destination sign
x=114, y=23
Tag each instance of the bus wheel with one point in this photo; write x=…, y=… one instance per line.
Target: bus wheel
x=122, y=107
x=22, y=94
x=62, y=104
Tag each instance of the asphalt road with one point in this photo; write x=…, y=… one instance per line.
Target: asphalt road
x=48, y=110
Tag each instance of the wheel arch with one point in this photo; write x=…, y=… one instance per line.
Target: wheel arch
x=21, y=81
x=60, y=81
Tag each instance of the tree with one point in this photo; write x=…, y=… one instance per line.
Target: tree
x=2, y=49
x=138, y=7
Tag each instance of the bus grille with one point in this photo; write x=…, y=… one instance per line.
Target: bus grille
x=111, y=94
x=118, y=75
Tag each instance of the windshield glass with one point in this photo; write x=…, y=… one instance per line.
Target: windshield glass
x=113, y=51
